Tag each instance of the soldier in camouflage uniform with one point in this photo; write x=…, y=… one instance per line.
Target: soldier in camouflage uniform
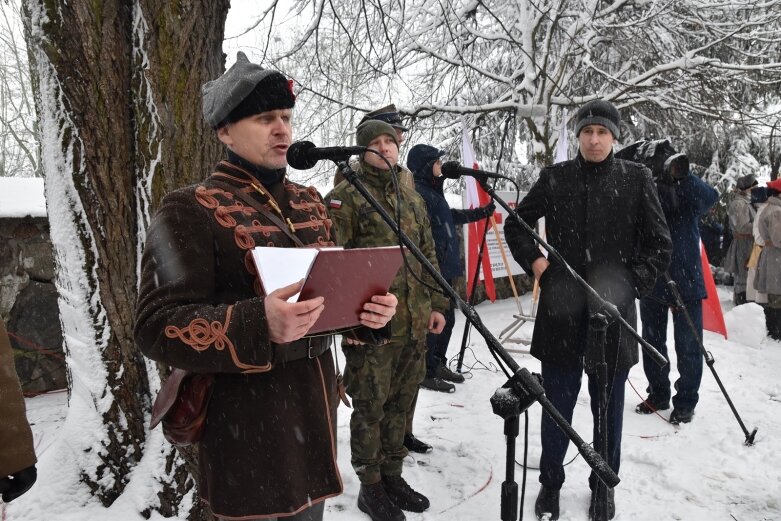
x=383, y=380
x=391, y=116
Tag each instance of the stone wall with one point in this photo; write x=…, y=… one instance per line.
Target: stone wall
x=28, y=302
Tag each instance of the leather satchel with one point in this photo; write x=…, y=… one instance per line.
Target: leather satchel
x=181, y=406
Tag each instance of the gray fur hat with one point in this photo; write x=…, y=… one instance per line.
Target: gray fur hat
x=599, y=112
x=244, y=90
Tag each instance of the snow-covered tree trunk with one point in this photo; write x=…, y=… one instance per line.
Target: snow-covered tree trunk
x=118, y=98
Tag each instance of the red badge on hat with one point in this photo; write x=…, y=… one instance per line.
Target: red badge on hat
x=290, y=88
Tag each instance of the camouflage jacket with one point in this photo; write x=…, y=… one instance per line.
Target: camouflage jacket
x=405, y=176
x=357, y=225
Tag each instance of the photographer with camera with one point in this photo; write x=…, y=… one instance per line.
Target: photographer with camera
x=685, y=199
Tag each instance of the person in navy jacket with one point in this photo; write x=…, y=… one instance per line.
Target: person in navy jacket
x=684, y=202
x=425, y=163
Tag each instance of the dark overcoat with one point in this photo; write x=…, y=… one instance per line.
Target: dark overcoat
x=269, y=444
x=606, y=221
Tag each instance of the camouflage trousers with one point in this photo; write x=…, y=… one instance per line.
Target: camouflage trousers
x=382, y=382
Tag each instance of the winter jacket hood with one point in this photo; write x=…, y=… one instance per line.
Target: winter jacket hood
x=421, y=159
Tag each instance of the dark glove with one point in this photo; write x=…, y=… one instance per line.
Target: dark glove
x=488, y=210
x=17, y=484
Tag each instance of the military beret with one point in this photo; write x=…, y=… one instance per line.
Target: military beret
x=388, y=114
x=244, y=90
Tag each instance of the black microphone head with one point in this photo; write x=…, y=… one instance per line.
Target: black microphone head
x=298, y=155
x=451, y=169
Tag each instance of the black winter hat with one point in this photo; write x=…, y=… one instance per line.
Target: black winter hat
x=369, y=130
x=244, y=90
x=599, y=112
x=746, y=182
x=421, y=158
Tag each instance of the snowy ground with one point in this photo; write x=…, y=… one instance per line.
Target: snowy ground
x=699, y=471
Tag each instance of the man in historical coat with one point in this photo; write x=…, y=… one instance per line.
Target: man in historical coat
x=741, y=221
x=768, y=278
x=268, y=449
x=603, y=216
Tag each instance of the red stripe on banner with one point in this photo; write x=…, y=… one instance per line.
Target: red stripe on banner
x=712, y=316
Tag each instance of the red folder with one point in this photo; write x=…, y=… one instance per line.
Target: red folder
x=345, y=278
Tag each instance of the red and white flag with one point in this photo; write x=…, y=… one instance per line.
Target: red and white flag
x=712, y=316
x=475, y=197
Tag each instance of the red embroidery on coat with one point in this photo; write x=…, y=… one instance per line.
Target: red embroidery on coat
x=200, y=334
x=225, y=206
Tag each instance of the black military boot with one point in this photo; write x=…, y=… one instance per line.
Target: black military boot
x=444, y=373
x=595, y=508
x=547, y=505
x=373, y=500
x=414, y=444
x=403, y=496
x=435, y=383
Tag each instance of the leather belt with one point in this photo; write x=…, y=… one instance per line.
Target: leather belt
x=307, y=347
x=744, y=236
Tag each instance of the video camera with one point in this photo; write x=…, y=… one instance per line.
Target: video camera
x=660, y=157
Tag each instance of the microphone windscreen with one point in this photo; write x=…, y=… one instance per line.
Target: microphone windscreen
x=451, y=169
x=298, y=155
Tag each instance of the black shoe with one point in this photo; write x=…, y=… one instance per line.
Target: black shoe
x=451, y=376
x=681, y=416
x=547, y=505
x=596, y=507
x=413, y=444
x=437, y=384
x=650, y=406
x=403, y=496
x=373, y=500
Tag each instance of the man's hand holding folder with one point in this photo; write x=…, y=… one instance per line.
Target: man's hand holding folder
x=293, y=310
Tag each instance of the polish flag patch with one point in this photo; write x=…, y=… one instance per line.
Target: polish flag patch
x=335, y=203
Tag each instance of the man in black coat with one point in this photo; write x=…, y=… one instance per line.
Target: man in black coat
x=603, y=215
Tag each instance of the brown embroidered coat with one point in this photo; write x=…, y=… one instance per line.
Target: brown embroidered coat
x=269, y=446
x=16, y=439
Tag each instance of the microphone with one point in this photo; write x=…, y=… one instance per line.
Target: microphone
x=453, y=170
x=303, y=155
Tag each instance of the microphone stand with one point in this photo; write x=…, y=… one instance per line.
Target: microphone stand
x=709, y=360
x=472, y=297
x=518, y=393
x=601, y=315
